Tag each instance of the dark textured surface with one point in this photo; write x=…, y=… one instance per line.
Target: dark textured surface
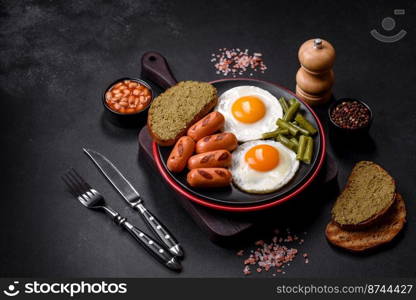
x=55, y=61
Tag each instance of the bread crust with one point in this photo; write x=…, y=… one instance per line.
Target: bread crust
x=204, y=111
x=371, y=237
x=373, y=219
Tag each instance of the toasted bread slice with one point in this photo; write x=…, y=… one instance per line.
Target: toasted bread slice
x=380, y=233
x=368, y=194
x=174, y=111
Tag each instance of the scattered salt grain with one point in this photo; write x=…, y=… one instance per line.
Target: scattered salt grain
x=259, y=243
x=235, y=61
x=276, y=254
x=306, y=257
x=246, y=270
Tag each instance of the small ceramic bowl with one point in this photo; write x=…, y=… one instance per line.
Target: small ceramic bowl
x=135, y=119
x=349, y=131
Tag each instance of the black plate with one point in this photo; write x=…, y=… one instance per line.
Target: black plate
x=232, y=195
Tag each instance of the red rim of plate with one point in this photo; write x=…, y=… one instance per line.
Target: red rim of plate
x=206, y=203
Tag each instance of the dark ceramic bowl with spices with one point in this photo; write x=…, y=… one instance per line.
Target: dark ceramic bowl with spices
x=350, y=116
x=126, y=102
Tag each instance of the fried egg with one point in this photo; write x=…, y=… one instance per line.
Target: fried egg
x=263, y=166
x=249, y=112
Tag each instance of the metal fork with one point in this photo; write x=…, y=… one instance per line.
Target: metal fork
x=92, y=199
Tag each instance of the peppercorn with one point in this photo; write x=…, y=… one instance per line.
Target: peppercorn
x=351, y=115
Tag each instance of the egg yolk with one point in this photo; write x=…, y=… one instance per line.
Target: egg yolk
x=262, y=158
x=248, y=109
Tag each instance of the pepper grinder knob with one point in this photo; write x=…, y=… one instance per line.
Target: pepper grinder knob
x=317, y=43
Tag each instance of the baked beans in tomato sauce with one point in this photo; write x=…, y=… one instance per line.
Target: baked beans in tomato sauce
x=128, y=97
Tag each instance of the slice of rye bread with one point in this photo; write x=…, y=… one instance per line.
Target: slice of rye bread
x=378, y=234
x=174, y=111
x=368, y=194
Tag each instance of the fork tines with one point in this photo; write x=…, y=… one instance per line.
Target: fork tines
x=75, y=183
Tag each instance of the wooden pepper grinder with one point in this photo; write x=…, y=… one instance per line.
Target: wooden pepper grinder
x=315, y=77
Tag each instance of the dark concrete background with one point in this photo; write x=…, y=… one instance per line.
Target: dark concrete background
x=57, y=57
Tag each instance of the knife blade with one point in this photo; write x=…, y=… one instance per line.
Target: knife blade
x=121, y=184
x=133, y=198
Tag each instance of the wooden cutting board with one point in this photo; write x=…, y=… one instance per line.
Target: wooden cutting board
x=223, y=226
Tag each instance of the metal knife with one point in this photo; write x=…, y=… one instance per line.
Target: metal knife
x=133, y=198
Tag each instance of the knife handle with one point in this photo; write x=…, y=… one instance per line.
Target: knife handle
x=148, y=243
x=161, y=231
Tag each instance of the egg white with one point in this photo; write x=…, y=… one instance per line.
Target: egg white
x=249, y=131
x=252, y=181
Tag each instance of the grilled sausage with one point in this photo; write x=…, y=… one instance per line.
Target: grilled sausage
x=225, y=140
x=209, y=177
x=180, y=154
x=206, y=126
x=212, y=159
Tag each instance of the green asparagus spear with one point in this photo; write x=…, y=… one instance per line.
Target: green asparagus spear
x=300, y=129
x=285, y=141
x=292, y=101
x=286, y=125
x=305, y=124
x=283, y=104
x=307, y=155
x=293, y=109
x=275, y=133
x=301, y=147
x=295, y=141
